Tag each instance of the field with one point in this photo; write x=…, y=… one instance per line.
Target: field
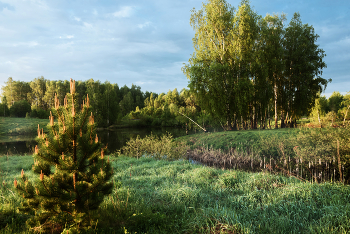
x=21, y=126
x=158, y=196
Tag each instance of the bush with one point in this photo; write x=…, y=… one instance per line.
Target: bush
x=20, y=109
x=4, y=110
x=39, y=113
x=151, y=146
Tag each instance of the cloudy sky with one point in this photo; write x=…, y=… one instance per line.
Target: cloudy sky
x=140, y=42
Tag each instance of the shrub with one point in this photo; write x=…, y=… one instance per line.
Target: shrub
x=151, y=146
x=20, y=108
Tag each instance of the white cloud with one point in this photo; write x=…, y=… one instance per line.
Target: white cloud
x=124, y=12
x=144, y=25
x=67, y=37
x=77, y=19
x=27, y=44
x=87, y=25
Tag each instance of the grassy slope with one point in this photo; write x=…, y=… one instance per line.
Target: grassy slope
x=257, y=142
x=19, y=126
x=226, y=140
x=179, y=197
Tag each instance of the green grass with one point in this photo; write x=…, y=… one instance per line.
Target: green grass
x=21, y=126
x=180, y=197
x=233, y=139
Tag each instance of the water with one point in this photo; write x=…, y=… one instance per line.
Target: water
x=18, y=145
x=115, y=139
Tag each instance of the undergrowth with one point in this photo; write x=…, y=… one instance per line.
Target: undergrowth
x=163, y=147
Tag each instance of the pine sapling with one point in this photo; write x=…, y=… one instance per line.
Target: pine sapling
x=73, y=175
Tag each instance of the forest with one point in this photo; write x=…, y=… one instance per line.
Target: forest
x=112, y=104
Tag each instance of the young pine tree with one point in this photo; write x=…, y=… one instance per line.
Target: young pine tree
x=72, y=172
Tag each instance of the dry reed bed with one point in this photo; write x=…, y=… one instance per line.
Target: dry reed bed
x=313, y=170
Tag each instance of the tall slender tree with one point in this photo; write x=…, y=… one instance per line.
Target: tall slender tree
x=272, y=35
x=36, y=96
x=210, y=68
x=304, y=66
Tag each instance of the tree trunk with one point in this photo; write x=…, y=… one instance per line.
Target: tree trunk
x=346, y=113
x=253, y=118
x=268, y=115
x=229, y=123
x=282, y=119
x=276, y=115
x=234, y=123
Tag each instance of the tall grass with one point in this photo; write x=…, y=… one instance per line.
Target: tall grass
x=312, y=154
x=159, y=196
x=163, y=147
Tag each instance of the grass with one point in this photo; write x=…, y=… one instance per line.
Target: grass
x=237, y=139
x=158, y=196
x=21, y=126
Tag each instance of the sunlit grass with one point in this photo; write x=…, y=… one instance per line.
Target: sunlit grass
x=180, y=197
x=20, y=126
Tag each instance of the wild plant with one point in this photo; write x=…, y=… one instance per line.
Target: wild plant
x=163, y=147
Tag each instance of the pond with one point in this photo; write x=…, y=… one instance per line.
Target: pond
x=21, y=145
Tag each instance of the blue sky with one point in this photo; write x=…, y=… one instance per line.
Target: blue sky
x=140, y=42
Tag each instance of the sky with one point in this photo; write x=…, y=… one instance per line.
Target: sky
x=141, y=42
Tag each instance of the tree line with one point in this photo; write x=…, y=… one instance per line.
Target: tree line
x=110, y=104
x=334, y=109
x=150, y=109
x=245, y=65
x=35, y=98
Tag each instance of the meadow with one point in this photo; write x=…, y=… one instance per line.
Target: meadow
x=159, y=196
x=21, y=126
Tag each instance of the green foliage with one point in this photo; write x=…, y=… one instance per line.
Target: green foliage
x=4, y=110
x=166, y=110
x=335, y=102
x=38, y=89
x=109, y=103
x=151, y=146
x=321, y=145
x=320, y=109
x=14, y=91
x=20, y=109
x=72, y=173
x=244, y=64
x=39, y=113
